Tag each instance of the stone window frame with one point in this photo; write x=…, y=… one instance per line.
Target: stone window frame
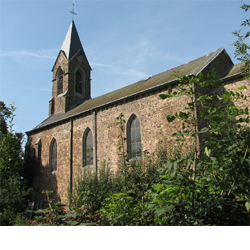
x=59, y=73
x=129, y=139
x=52, y=154
x=84, y=148
x=39, y=149
x=29, y=148
x=83, y=81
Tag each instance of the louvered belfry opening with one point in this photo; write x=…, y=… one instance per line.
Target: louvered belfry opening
x=89, y=149
x=135, y=138
x=60, y=82
x=54, y=156
x=78, y=86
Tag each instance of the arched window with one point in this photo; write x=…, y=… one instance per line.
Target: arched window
x=78, y=82
x=53, y=156
x=59, y=81
x=39, y=149
x=87, y=148
x=134, y=137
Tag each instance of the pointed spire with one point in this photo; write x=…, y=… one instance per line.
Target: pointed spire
x=71, y=43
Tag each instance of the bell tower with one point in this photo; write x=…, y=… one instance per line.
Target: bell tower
x=71, y=75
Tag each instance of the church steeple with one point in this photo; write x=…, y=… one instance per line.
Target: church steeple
x=71, y=74
x=72, y=44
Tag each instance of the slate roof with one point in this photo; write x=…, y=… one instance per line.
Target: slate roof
x=194, y=67
x=236, y=70
x=71, y=44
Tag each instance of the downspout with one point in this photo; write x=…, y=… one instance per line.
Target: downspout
x=95, y=141
x=70, y=154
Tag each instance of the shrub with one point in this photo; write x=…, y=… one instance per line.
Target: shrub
x=7, y=218
x=21, y=220
x=91, y=189
x=129, y=207
x=14, y=193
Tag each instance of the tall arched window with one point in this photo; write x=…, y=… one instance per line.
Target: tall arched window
x=39, y=149
x=59, y=81
x=78, y=82
x=53, y=156
x=87, y=148
x=134, y=137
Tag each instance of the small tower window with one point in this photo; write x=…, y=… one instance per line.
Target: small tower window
x=60, y=82
x=78, y=82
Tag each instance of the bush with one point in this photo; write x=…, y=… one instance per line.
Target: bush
x=91, y=189
x=7, y=218
x=129, y=207
x=21, y=220
x=14, y=193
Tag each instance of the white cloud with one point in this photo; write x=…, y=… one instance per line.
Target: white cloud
x=132, y=60
x=32, y=59
x=23, y=53
x=16, y=87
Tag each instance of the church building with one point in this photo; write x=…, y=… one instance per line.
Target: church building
x=81, y=132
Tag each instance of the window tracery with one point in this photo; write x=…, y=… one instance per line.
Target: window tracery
x=87, y=148
x=134, y=137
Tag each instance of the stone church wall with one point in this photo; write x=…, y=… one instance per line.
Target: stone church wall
x=151, y=111
x=58, y=182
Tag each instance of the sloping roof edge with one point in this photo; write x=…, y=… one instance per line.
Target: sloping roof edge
x=220, y=50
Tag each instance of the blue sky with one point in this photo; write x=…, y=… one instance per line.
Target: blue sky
x=124, y=41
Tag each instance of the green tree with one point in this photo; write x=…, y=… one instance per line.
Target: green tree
x=13, y=189
x=4, y=114
x=241, y=46
x=11, y=158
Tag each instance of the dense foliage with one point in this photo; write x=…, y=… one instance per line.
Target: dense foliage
x=91, y=188
x=241, y=46
x=15, y=168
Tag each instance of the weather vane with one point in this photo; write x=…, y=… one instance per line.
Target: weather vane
x=73, y=12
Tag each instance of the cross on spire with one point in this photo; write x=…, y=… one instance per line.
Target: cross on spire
x=73, y=12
